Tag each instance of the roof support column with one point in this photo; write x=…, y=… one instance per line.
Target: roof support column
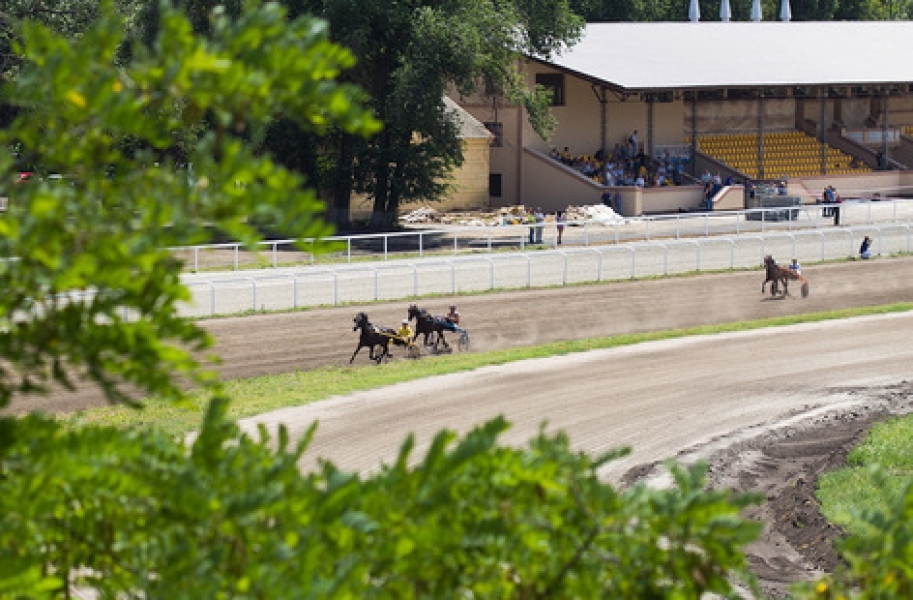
x=760, y=134
x=884, y=129
x=693, y=133
x=602, y=97
x=822, y=127
x=651, y=105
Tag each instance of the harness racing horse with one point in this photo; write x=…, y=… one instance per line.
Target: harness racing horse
x=777, y=274
x=371, y=337
x=429, y=326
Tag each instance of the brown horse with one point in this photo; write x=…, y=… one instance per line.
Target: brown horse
x=777, y=275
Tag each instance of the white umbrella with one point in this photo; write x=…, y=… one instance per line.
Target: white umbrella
x=756, y=11
x=725, y=11
x=694, y=12
x=785, y=13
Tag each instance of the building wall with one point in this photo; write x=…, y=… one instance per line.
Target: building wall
x=469, y=181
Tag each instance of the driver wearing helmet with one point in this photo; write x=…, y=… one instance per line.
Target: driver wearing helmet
x=404, y=333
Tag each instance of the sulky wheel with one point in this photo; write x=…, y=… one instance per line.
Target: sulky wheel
x=463, y=343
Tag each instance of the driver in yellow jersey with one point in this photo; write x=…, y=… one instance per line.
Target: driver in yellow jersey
x=404, y=334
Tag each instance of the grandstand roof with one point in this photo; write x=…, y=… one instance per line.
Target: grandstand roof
x=675, y=56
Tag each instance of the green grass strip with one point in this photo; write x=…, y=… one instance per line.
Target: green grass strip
x=262, y=394
x=878, y=469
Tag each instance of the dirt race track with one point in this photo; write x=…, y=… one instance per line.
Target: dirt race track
x=751, y=403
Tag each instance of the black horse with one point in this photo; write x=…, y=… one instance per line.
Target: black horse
x=429, y=326
x=371, y=337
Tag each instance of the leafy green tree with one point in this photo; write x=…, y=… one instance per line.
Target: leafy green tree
x=135, y=514
x=92, y=290
x=68, y=17
x=409, y=56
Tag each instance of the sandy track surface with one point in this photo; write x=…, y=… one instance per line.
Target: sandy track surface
x=660, y=398
x=278, y=343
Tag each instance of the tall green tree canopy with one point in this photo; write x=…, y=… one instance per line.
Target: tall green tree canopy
x=409, y=56
x=91, y=289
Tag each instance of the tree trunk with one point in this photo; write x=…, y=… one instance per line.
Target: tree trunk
x=342, y=183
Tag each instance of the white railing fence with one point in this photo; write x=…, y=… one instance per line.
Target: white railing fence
x=406, y=279
x=461, y=241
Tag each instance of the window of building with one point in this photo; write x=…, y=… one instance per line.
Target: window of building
x=497, y=130
x=494, y=185
x=554, y=83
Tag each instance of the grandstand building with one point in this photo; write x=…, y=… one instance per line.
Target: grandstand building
x=812, y=103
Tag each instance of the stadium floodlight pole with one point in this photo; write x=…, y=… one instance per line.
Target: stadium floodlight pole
x=785, y=13
x=725, y=11
x=694, y=11
x=756, y=14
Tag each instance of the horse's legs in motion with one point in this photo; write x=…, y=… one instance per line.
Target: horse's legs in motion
x=351, y=360
x=384, y=351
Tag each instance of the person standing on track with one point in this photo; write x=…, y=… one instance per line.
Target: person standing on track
x=865, y=249
x=531, y=219
x=559, y=222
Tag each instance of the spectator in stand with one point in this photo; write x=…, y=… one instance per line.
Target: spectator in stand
x=555, y=154
x=865, y=251
x=632, y=142
x=608, y=174
x=566, y=157
x=559, y=224
x=619, y=153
